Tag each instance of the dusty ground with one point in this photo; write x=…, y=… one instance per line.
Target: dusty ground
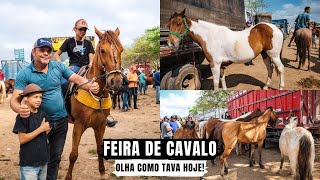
x=141, y=123
x=240, y=76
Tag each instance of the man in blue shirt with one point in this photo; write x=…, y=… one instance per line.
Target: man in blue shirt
x=302, y=21
x=142, y=82
x=47, y=74
x=156, y=78
x=173, y=123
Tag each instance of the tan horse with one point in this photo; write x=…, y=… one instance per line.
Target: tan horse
x=3, y=94
x=245, y=132
x=303, y=41
x=107, y=61
x=187, y=131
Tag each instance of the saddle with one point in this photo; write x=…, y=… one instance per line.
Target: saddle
x=72, y=88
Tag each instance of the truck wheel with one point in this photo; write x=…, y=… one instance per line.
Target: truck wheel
x=163, y=84
x=188, y=78
x=170, y=83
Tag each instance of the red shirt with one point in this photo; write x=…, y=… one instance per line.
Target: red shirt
x=1, y=76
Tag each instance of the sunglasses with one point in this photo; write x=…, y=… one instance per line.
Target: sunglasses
x=82, y=29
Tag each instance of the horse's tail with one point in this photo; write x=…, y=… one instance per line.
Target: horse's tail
x=303, y=49
x=304, y=168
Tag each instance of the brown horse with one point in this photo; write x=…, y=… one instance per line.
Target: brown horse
x=246, y=132
x=3, y=93
x=149, y=81
x=106, y=71
x=187, y=131
x=9, y=83
x=303, y=42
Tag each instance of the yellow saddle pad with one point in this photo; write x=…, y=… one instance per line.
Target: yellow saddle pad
x=85, y=98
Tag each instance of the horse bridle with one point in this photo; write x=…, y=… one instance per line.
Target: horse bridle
x=181, y=36
x=116, y=70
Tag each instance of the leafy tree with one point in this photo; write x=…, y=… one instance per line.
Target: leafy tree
x=255, y=6
x=145, y=49
x=211, y=99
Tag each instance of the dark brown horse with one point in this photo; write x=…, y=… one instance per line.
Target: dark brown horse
x=187, y=131
x=246, y=132
x=9, y=83
x=106, y=71
x=303, y=42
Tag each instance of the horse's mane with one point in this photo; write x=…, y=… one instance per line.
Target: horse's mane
x=112, y=37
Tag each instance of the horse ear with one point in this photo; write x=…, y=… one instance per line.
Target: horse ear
x=99, y=33
x=183, y=12
x=117, y=32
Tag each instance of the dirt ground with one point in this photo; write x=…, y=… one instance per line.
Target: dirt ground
x=137, y=123
x=240, y=76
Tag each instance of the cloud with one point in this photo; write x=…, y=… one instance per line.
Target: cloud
x=177, y=102
x=22, y=22
x=291, y=11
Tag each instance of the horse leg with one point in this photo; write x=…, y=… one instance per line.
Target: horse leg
x=78, y=130
x=119, y=100
x=237, y=149
x=223, y=157
x=281, y=164
x=267, y=62
x=216, y=75
x=260, y=154
x=277, y=61
x=223, y=79
x=308, y=48
x=99, y=132
x=251, y=154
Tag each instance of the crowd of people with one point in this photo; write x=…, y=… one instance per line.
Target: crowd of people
x=169, y=126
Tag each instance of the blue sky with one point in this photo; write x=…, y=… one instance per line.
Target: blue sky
x=289, y=9
x=177, y=102
x=22, y=22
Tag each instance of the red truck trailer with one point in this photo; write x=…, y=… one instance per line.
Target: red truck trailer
x=303, y=104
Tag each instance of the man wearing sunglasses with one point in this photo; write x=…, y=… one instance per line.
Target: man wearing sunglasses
x=80, y=50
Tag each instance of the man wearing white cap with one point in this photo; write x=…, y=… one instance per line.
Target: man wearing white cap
x=80, y=50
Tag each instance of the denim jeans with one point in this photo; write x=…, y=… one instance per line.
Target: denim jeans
x=65, y=82
x=125, y=101
x=33, y=172
x=133, y=94
x=142, y=86
x=57, y=138
x=157, y=93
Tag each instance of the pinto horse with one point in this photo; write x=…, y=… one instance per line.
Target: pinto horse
x=246, y=132
x=303, y=41
x=106, y=71
x=298, y=144
x=223, y=46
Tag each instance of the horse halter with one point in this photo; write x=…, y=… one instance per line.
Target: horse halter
x=181, y=36
x=112, y=44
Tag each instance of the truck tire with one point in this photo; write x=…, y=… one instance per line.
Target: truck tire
x=188, y=78
x=163, y=83
x=170, y=83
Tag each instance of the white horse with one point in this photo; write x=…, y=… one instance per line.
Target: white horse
x=3, y=93
x=223, y=46
x=298, y=144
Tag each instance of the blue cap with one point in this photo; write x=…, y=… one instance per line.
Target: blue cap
x=41, y=42
x=166, y=117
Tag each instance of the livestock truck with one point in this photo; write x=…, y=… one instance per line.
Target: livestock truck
x=303, y=104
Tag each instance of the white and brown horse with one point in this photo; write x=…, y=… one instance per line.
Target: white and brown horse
x=298, y=144
x=223, y=46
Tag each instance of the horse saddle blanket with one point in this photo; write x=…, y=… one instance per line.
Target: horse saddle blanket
x=89, y=100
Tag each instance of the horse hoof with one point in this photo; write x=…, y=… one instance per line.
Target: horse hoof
x=262, y=166
x=278, y=172
x=251, y=165
x=265, y=88
x=253, y=162
x=103, y=176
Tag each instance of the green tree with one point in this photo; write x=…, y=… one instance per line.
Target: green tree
x=211, y=99
x=255, y=6
x=145, y=49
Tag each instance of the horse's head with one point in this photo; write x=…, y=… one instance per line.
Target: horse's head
x=292, y=122
x=109, y=51
x=273, y=120
x=178, y=28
